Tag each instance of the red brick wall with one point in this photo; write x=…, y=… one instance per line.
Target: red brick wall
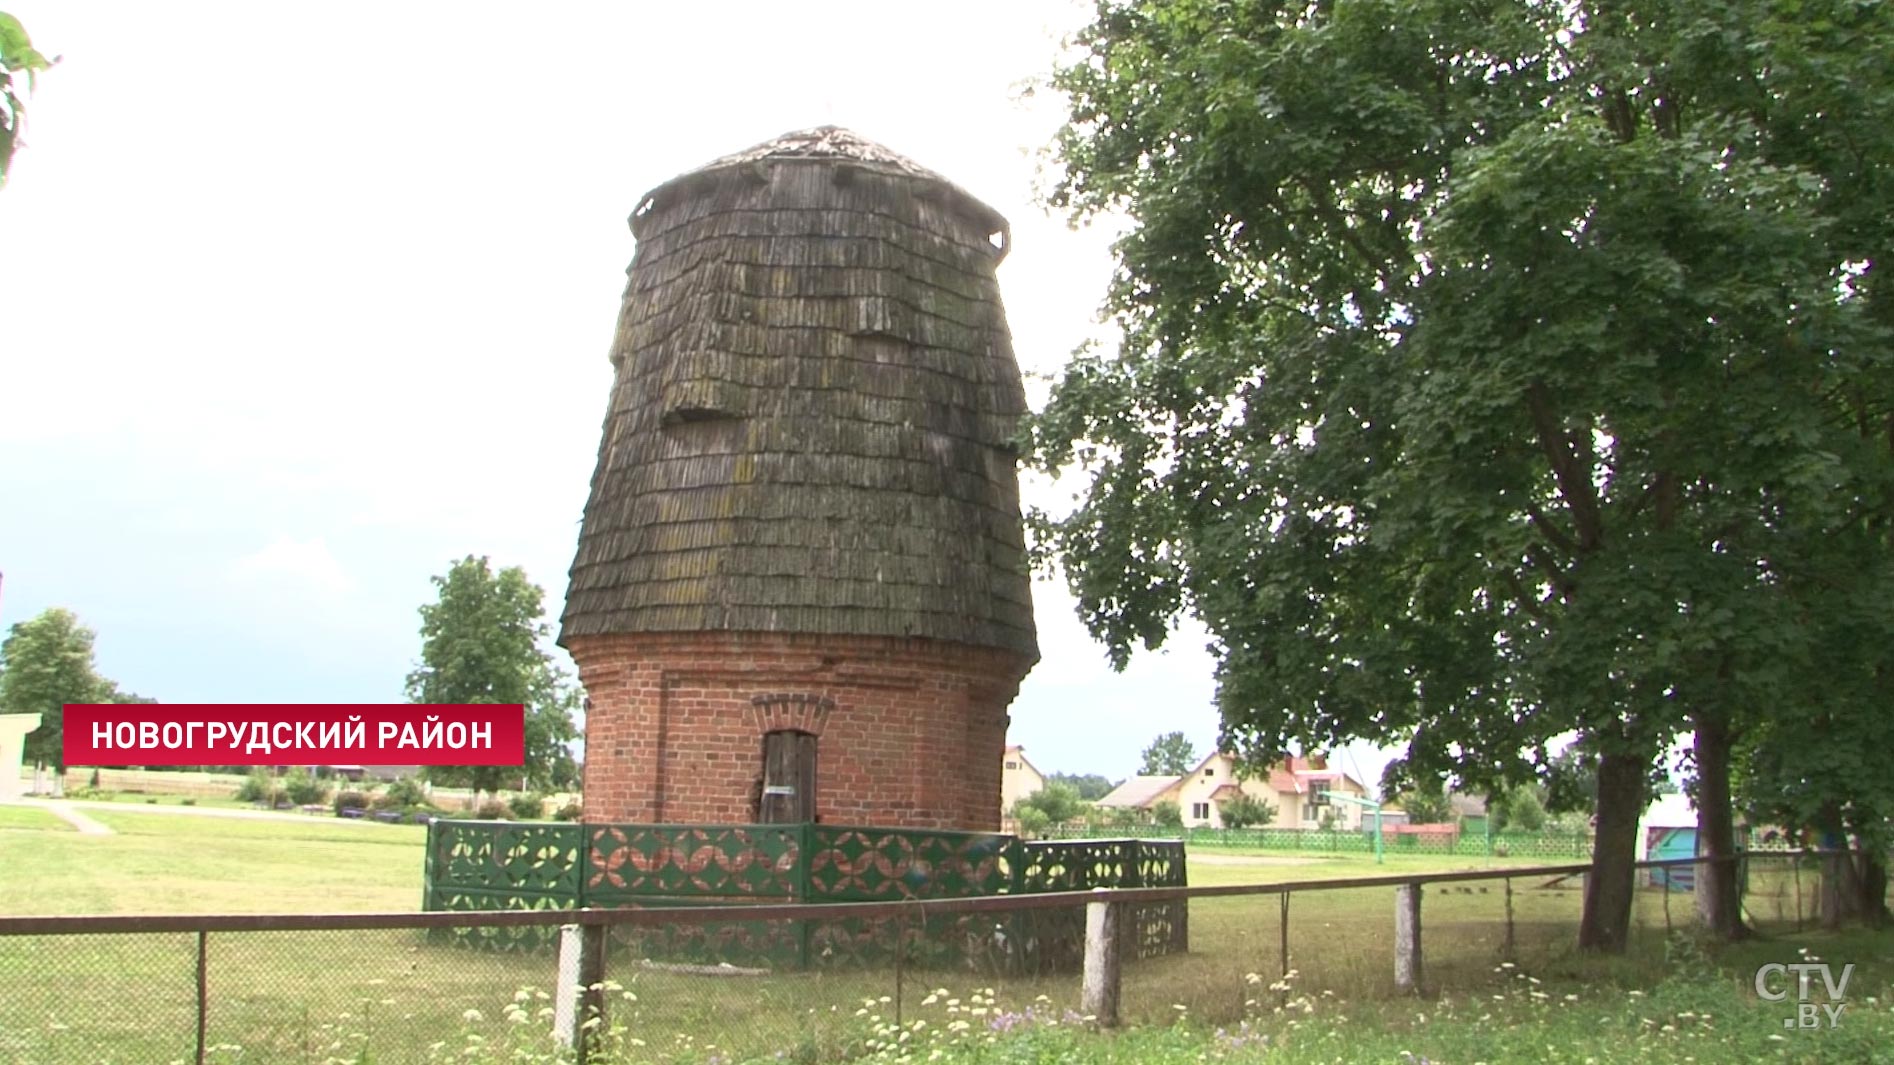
x=912, y=731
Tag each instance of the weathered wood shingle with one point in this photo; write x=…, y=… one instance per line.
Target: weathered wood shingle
x=812, y=417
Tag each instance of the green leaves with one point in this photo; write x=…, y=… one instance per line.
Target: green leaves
x=45, y=663
x=1483, y=377
x=1171, y=754
x=17, y=56
x=481, y=642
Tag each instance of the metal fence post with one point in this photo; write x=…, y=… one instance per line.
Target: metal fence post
x=1407, y=937
x=1795, y=870
x=1104, y=922
x=900, y=953
x=203, y=988
x=1282, y=927
x=805, y=891
x=427, y=868
x=1511, y=948
x=591, y=988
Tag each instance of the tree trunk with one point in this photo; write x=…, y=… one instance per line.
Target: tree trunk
x=1606, y=924
x=1719, y=903
x=1873, y=881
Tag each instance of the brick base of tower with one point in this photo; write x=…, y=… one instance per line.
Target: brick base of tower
x=910, y=732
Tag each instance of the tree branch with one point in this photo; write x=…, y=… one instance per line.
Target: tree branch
x=1528, y=603
x=1575, y=485
x=1550, y=531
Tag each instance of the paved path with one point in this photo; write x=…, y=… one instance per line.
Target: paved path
x=208, y=811
x=66, y=813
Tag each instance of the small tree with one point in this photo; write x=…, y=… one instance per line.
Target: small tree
x=1427, y=807
x=45, y=663
x=1519, y=808
x=303, y=789
x=1032, y=820
x=1168, y=814
x=481, y=643
x=1059, y=803
x=260, y=786
x=1169, y=755
x=1244, y=810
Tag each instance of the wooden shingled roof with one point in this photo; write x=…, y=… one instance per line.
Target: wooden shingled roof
x=812, y=416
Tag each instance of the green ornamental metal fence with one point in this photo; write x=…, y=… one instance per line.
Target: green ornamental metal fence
x=501, y=865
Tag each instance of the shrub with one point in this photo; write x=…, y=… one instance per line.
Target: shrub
x=1032, y=819
x=188, y=802
x=259, y=786
x=1058, y=802
x=492, y=810
x=350, y=800
x=1519, y=809
x=1243, y=810
x=527, y=807
x=404, y=792
x=1168, y=814
x=94, y=782
x=303, y=789
x=571, y=811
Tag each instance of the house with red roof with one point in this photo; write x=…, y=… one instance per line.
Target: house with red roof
x=1296, y=786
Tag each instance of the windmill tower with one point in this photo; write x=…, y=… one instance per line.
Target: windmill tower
x=800, y=591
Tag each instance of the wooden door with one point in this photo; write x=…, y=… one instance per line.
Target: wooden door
x=788, y=778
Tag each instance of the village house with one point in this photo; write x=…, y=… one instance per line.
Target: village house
x=1297, y=787
x=1018, y=779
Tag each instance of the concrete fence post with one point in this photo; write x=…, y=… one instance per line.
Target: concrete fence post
x=1407, y=937
x=1104, y=928
x=578, y=997
x=565, y=994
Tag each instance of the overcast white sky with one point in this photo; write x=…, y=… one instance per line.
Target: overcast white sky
x=300, y=302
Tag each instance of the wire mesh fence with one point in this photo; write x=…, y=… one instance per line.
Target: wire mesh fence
x=1550, y=844
x=426, y=988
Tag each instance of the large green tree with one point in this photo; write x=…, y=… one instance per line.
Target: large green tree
x=483, y=641
x=45, y=663
x=1487, y=372
x=17, y=57
x=1170, y=755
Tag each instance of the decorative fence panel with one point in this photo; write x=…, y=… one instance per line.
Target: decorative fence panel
x=639, y=864
x=888, y=864
x=1087, y=864
x=499, y=865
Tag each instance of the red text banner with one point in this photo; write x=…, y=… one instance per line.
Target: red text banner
x=143, y=734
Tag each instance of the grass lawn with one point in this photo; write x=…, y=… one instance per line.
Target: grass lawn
x=30, y=819
x=184, y=863
x=308, y=997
